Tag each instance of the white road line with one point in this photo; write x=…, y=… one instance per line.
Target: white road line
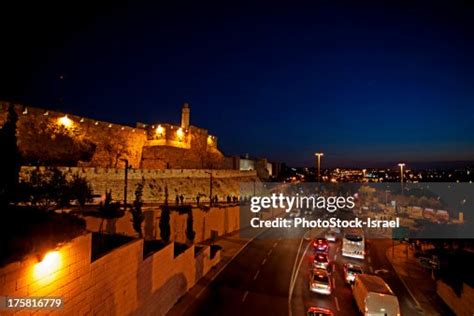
x=296, y=270
x=256, y=275
x=292, y=285
x=228, y=262
x=335, y=257
x=245, y=296
x=269, y=252
x=334, y=282
x=264, y=260
x=275, y=244
x=336, y=301
x=296, y=258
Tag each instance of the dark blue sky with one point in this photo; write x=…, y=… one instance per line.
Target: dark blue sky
x=365, y=84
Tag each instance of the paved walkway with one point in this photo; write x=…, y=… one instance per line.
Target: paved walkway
x=417, y=280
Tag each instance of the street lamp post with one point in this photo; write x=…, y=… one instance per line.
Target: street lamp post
x=319, y=155
x=210, y=187
x=386, y=198
x=125, y=186
x=401, y=165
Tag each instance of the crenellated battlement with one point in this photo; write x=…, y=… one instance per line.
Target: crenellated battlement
x=149, y=146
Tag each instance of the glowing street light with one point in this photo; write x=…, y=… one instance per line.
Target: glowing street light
x=160, y=130
x=319, y=155
x=401, y=165
x=180, y=133
x=65, y=121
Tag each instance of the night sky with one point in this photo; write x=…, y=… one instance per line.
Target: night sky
x=366, y=84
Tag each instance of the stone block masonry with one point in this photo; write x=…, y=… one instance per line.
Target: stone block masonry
x=462, y=305
x=186, y=182
x=150, y=146
x=121, y=282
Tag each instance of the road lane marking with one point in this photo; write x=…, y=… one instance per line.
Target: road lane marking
x=296, y=258
x=334, y=282
x=336, y=301
x=264, y=260
x=245, y=296
x=275, y=244
x=335, y=257
x=228, y=262
x=292, y=284
x=256, y=275
x=269, y=252
x=296, y=270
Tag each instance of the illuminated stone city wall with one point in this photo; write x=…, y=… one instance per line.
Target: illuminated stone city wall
x=186, y=182
x=121, y=282
x=158, y=146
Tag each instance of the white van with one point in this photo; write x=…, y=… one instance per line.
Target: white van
x=374, y=297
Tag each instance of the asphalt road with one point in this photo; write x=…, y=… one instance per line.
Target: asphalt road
x=259, y=279
x=256, y=282
x=341, y=301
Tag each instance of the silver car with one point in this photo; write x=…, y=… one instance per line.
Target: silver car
x=320, y=282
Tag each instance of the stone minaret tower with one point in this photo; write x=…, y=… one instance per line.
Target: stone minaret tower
x=185, y=116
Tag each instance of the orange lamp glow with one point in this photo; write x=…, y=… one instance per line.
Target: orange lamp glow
x=180, y=133
x=160, y=130
x=65, y=121
x=49, y=265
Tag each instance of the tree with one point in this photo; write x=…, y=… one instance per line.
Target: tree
x=10, y=158
x=50, y=144
x=137, y=214
x=165, y=229
x=109, y=209
x=190, y=233
x=80, y=190
x=46, y=189
x=114, y=146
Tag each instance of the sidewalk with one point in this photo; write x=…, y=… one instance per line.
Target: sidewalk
x=231, y=246
x=416, y=279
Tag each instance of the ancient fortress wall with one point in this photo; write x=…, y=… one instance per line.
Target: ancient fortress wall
x=105, y=135
x=158, y=146
x=186, y=182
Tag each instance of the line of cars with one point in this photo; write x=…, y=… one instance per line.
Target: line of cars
x=371, y=294
x=319, y=277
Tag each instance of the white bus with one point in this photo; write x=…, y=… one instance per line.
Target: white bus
x=353, y=244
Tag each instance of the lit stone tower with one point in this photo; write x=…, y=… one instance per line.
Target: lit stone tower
x=185, y=116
